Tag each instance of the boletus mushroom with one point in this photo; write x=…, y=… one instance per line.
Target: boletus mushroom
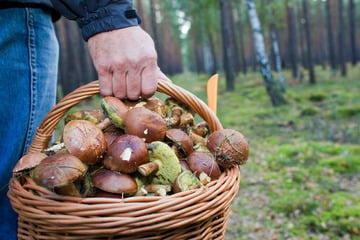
x=180, y=140
x=229, y=147
x=145, y=124
x=111, y=134
x=84, y=140
x=114, y=109
x=154, y=104
x=203, y=162
x=114, y=182
x=186, y=181
x=93, y=115
x=164, y=165
x=126, y=153
x=28, y=161
x=58, y=172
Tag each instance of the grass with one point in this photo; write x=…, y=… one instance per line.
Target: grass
x=302, y=178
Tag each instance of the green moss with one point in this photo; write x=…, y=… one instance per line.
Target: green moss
x=318, y=97
x=295, y=200
x=310, y=111
x=342, y=212
x=348, y=111
x=342, y=164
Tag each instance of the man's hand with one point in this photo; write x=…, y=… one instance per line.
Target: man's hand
x=126, y=62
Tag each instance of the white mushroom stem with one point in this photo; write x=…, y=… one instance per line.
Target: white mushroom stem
x=148, y=168
x=197, y=138
x=158, y=189
x=204, y=178
x=141, y=192
x=104, y=124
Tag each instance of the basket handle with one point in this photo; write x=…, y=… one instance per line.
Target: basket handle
x=45, y=130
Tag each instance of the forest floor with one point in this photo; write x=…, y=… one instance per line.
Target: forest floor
x=302, y=180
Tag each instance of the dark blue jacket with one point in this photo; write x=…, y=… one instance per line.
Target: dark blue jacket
x=93, y=16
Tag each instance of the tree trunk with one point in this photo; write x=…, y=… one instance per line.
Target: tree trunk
x=331, y=48
x=320, y=37
x=352, y=21
x=235, y=55
x=309, y=57
x=141, y=11
x=275, y=48
x=227, y=46
x=272, y=88
x=155, y=32
x=341, y=35
x=292, y=40
x=171, y=52
x=75, y=67
x=214, y=68
x=240, y=37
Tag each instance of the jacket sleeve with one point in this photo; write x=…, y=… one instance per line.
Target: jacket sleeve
x=95, y=16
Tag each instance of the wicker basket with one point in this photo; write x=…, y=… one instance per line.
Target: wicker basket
x=196, y=214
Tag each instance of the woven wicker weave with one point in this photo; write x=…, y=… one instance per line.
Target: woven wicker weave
x=196, y=214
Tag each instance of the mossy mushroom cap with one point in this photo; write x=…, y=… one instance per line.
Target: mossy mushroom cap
x=169, y=164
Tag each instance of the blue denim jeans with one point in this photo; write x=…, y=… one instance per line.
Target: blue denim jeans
x=29, y=53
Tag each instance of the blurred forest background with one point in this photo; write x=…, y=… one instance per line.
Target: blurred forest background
x=289, y=81
x=207, y=36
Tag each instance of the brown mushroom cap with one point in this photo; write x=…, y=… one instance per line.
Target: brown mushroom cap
x=58, y=170
x=229, y=147
x=126, y=153
x=112, y=134
x=203, y=161
x=184, y=165
x=180, y=139
x=114, y=182
x=145, y=124
x=84, y=140
x=28, y=161
x=201, y=129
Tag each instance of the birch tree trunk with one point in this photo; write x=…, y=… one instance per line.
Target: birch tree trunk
x=272, y=88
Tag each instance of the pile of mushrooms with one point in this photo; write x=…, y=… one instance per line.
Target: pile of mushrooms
x=134, y=148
